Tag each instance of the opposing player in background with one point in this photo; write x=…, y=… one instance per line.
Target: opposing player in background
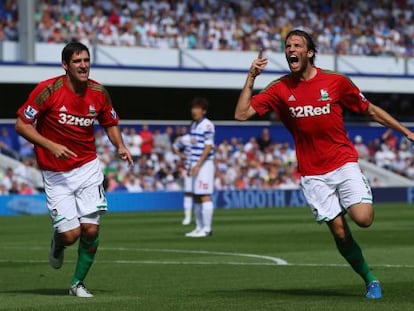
x=309, y=101
x=58, y=117
x=202, y=168
x=182, y=147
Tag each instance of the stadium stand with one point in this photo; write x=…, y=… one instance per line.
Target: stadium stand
x=344, y=27
x=258, y=163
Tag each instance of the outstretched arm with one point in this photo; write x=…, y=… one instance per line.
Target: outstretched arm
x=379, y=115
x=115, y=137
x=244, y=110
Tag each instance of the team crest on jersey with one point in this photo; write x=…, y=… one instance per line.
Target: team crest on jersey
x=324, y=95
x=30, y=113
x=92, y=110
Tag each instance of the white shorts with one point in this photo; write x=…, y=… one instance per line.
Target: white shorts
x=76, y=196
x=188, y=183
x=331, y=194
x=203, y=183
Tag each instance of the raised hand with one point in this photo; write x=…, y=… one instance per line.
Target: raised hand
x=258, y=65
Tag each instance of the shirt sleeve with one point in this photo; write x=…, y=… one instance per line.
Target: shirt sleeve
x=209, y=134
x=35, y=105
x=108, y=116
x=265, y=101
x=352, y=98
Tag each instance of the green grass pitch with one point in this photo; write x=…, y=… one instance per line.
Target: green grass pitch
x=146, y=263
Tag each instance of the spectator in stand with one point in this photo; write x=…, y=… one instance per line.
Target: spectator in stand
x=404, y=153
x=14, y=189
x=399, y=165
x=8, y=178
x=131, y=183
x=24, y=188
x=380, y=28
x=22, y=173
x=225, y=149
x=162, y=141
x=3, y=189
x=171, y=184
x=361, y=148
x=26, y=148
x=373, y=147
x=385, y=157
x=6, y=144
x=110, y=182
x=390, y=139
x=410, y=170
x=147, y=140
x=264, y=140
x=134, y=143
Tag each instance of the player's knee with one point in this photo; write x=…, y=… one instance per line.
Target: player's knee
x=70, y=237
x=365, y=222
x=90, y=231
x=362, y=214
x=205, y=198
x=340, y=234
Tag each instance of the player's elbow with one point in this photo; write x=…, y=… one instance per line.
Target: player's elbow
x=372, y=112
x=19, y=126
x=240, y=116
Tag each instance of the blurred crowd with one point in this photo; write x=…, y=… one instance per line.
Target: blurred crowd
x=369, y=27
x=388, y=152
x=258, y=163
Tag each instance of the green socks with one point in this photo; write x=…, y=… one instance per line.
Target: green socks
x=351, y=251
x=86, y=254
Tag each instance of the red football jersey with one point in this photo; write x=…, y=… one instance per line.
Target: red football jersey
x=68, y=119
x=312, y=112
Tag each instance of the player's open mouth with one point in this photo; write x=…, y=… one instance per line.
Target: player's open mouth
x=293, y=59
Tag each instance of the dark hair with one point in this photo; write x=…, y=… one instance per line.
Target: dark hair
x=309, y=42
x=72, y=48
x=200, y=102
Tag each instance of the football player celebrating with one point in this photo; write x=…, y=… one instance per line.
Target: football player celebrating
x=309, y=101
x=58, y=117
x=202, y=168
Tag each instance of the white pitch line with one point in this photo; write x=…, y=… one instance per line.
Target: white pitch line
x=147, y=262
x=275, y=260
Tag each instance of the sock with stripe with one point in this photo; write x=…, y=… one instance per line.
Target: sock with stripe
x=352, y=253
x=86, y=255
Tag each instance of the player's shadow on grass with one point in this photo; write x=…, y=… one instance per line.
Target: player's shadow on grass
x=38, y=291
x=292, y=292
x=46, y=291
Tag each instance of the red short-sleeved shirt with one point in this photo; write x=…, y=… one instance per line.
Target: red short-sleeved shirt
x=68, y=119
x=312, y=112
